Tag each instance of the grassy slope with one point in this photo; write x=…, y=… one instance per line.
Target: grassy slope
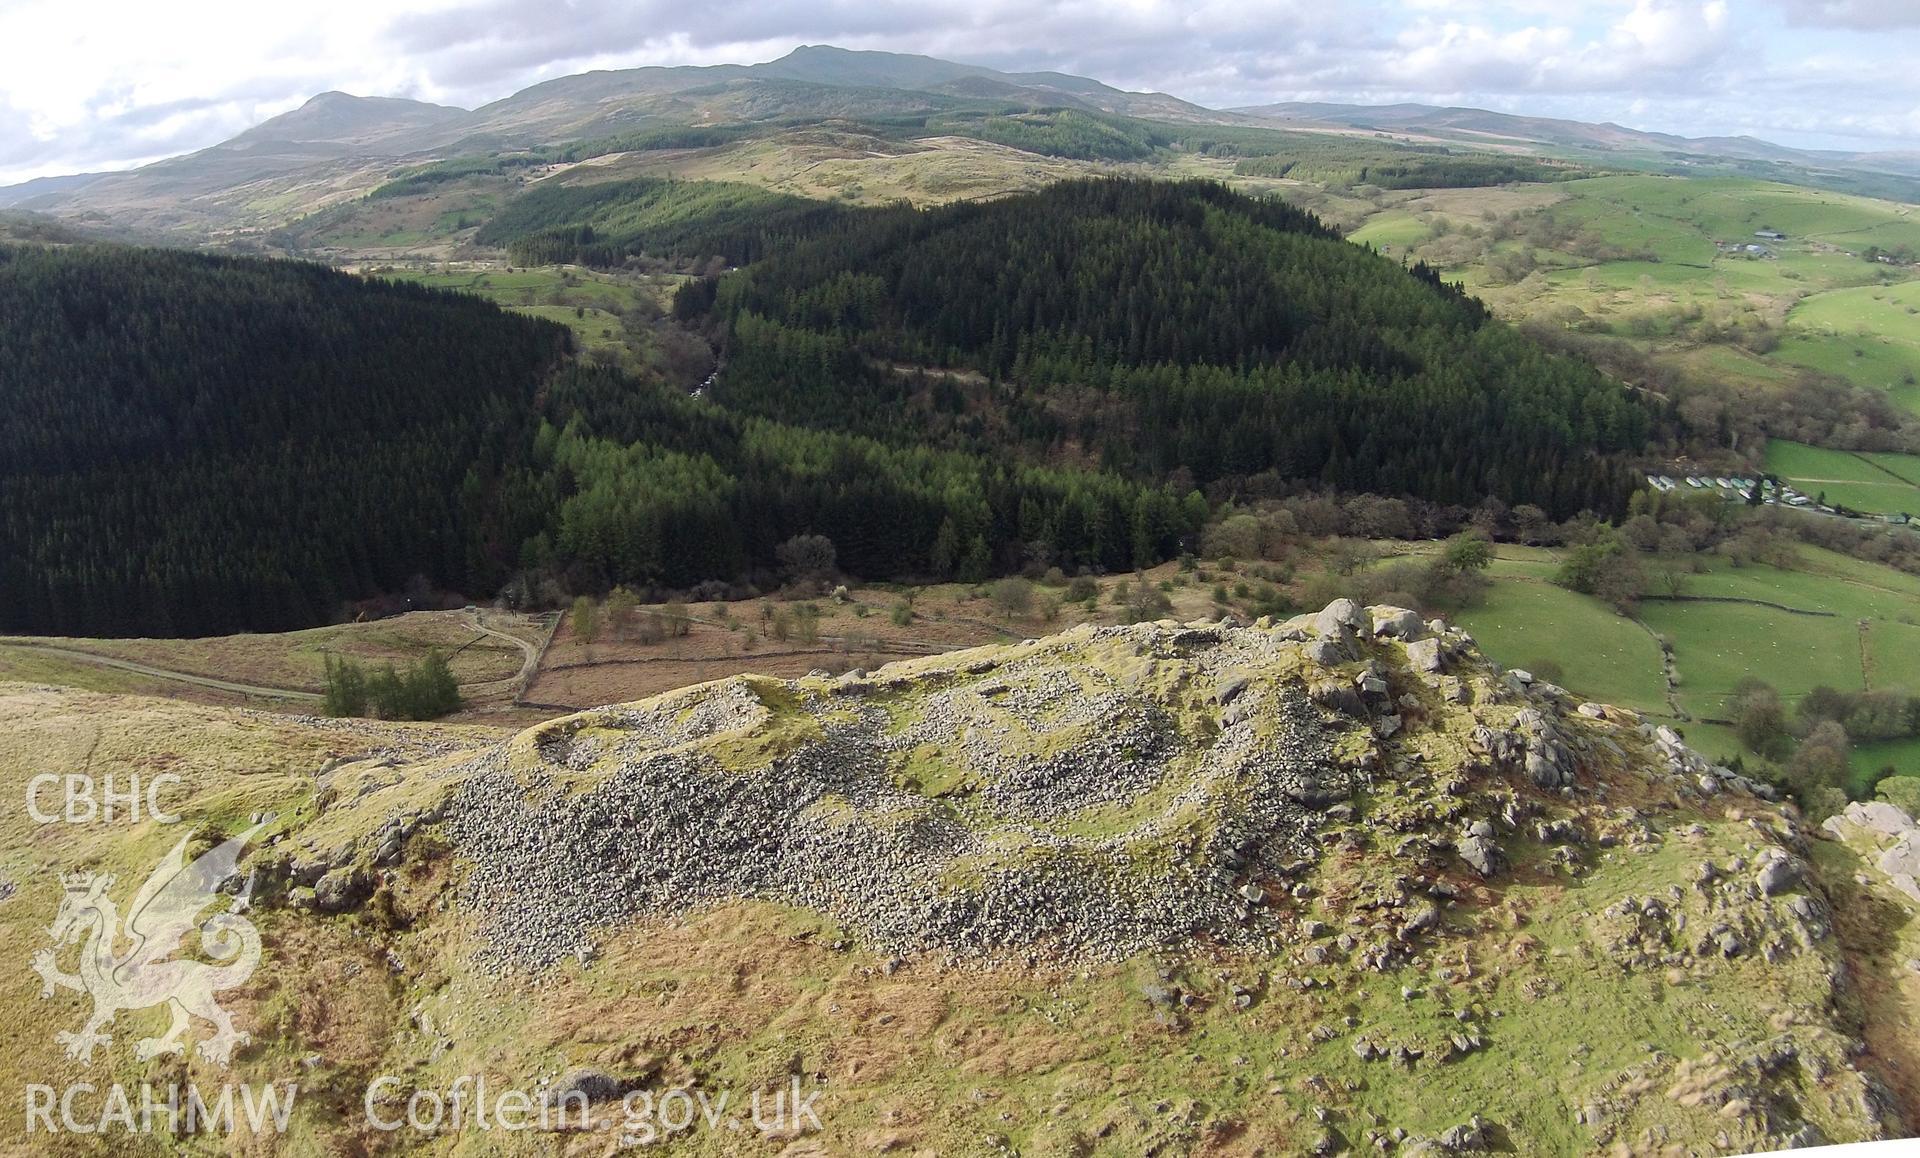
x=1869, y=335
x=1527, y=620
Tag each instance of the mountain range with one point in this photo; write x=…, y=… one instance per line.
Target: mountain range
x=1490, y=130
x=338, y=146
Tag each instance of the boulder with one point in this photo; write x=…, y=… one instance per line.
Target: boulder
x=1340, y=617
x=1327, y=652
x=1470, y=1138
x=1425, y=655
x=1395, y=622
x=1903, y=859
x=1338, y=696
x=594, y=1085
x=1482, y=855
x=342, y=889
x=1779, y=875
x=309, y=872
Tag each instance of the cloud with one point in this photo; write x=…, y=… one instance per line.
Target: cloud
x=114, y=82
x=1660, y=44
x=1860, y=15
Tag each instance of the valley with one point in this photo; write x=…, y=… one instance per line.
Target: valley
x=1039, y=618
x=1778, y=342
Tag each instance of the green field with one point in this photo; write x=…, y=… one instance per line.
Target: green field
x=1677, y=215
x=1527, y=620
x=1869, y=335
x=1393, y=231
x=555, y=285
x=1874, y=483
x=1716, y=645
x=1869, y=760
x=1867, y=638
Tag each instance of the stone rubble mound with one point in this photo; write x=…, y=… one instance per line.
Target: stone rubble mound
x=1090, y=795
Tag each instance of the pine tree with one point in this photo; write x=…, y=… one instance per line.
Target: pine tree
x=945, y=555
x=978, y=563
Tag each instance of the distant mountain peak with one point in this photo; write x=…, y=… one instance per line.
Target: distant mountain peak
x=335, y=117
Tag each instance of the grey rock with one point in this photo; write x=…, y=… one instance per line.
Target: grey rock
x=1808, y=1135
x=1425, y=655
x=1326, y=652
x=1469, y=1138
x=1482, y=855
x=1779, y=875
x=592, y=1084
x=1338, y=696
x=1395, y=622
x=342, y=889
x=1880, y=816
x=1340, y=617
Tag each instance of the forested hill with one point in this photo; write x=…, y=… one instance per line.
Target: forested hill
x=1222, y=336
x=195, y=444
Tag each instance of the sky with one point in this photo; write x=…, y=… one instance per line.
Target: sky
x=88, y=85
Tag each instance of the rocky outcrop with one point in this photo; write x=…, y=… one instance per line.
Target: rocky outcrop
x=1898, y=859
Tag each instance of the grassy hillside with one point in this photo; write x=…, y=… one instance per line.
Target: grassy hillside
x=613, y=316
x=1869, y=335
